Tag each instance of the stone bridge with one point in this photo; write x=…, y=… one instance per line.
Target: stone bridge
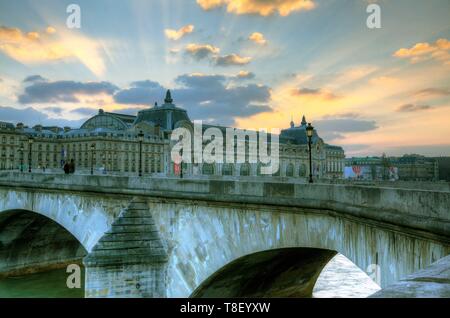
x=166, y=237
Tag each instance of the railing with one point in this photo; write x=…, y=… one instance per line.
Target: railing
x=422, y=210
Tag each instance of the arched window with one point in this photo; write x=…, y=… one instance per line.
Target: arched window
x=208, y=169
x=227, y=169
x=290, y=170
x=302, y=172
x=245, y=169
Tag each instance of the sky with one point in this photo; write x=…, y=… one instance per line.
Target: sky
x=254, y=64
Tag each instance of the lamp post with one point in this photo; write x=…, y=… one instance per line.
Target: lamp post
x=181, y=164
x=30, y=143
x=92, y=158
x=309, y=133
x=140, y=139
x=21, y=158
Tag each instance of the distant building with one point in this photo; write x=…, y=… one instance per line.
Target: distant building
x=407, y=168
x=108, y=142
x=444, y=168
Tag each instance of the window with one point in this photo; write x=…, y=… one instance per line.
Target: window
x=227, y=169
x=245, y=169
x=208, y=169
x=290, y=170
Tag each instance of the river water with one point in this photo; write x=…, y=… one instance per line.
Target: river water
x=51, y=284
x=340, y=278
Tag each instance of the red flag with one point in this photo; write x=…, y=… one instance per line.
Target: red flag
x=177, y=168
x=356, y=169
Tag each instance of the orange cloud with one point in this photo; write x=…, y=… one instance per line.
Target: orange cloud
x=424, y=51
x=50, y=30
x=178, y=34
x=261, y=7
x=316, y=93
x=258, y=38
x=34, y=47
x=232, y=59
x=29, y=48
x=201, y=51
x=245, y=75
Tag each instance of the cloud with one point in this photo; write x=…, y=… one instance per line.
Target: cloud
x=35, y=47
x=54, y=109
x=205, y=97
x=178, y=34
x=260, y=7
x=84, y=111
x=210, y=52
x=423, y=51
x=331, y=129
x=208, y=97
x=242, y=75
x=30, y=116
x=201, y=51
x=145, y=84
x=314, y=92
x=140, y=93
x=129, y=111
x=34, y=78
x=258, y=38
x=63, y=91
x=342, y=115
x=50, y=30
x=231, y=60
x=335, y=126
x=409, y=108
x=432, y=92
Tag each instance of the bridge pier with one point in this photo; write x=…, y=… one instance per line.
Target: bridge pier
x=129, y=260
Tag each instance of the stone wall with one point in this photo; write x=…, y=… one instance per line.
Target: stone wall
x=202, y=237
x=206, y=224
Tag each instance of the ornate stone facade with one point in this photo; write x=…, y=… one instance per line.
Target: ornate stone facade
x=109, y=143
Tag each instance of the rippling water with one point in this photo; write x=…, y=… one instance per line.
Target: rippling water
x=340, y=278
x=51, y=284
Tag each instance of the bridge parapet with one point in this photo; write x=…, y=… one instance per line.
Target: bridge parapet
x=422, y=210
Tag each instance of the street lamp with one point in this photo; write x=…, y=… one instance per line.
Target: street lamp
x=92, y=158
x=309, y=133
x=21, y=158
x=30, y=143
x=140, y=139
x=181, y=164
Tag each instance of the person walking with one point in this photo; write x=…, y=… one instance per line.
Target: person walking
x=72, y=166
x=66, y=168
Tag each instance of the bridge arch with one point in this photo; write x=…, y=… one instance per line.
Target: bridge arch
x=285, y=272
x=86, y=217
x=30, y=242
x=204, y=238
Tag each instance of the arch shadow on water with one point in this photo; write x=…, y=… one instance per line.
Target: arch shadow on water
x=34, y=254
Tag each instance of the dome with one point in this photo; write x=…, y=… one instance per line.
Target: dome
x=166, y=115
x=104, y=120
x=297, y=135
